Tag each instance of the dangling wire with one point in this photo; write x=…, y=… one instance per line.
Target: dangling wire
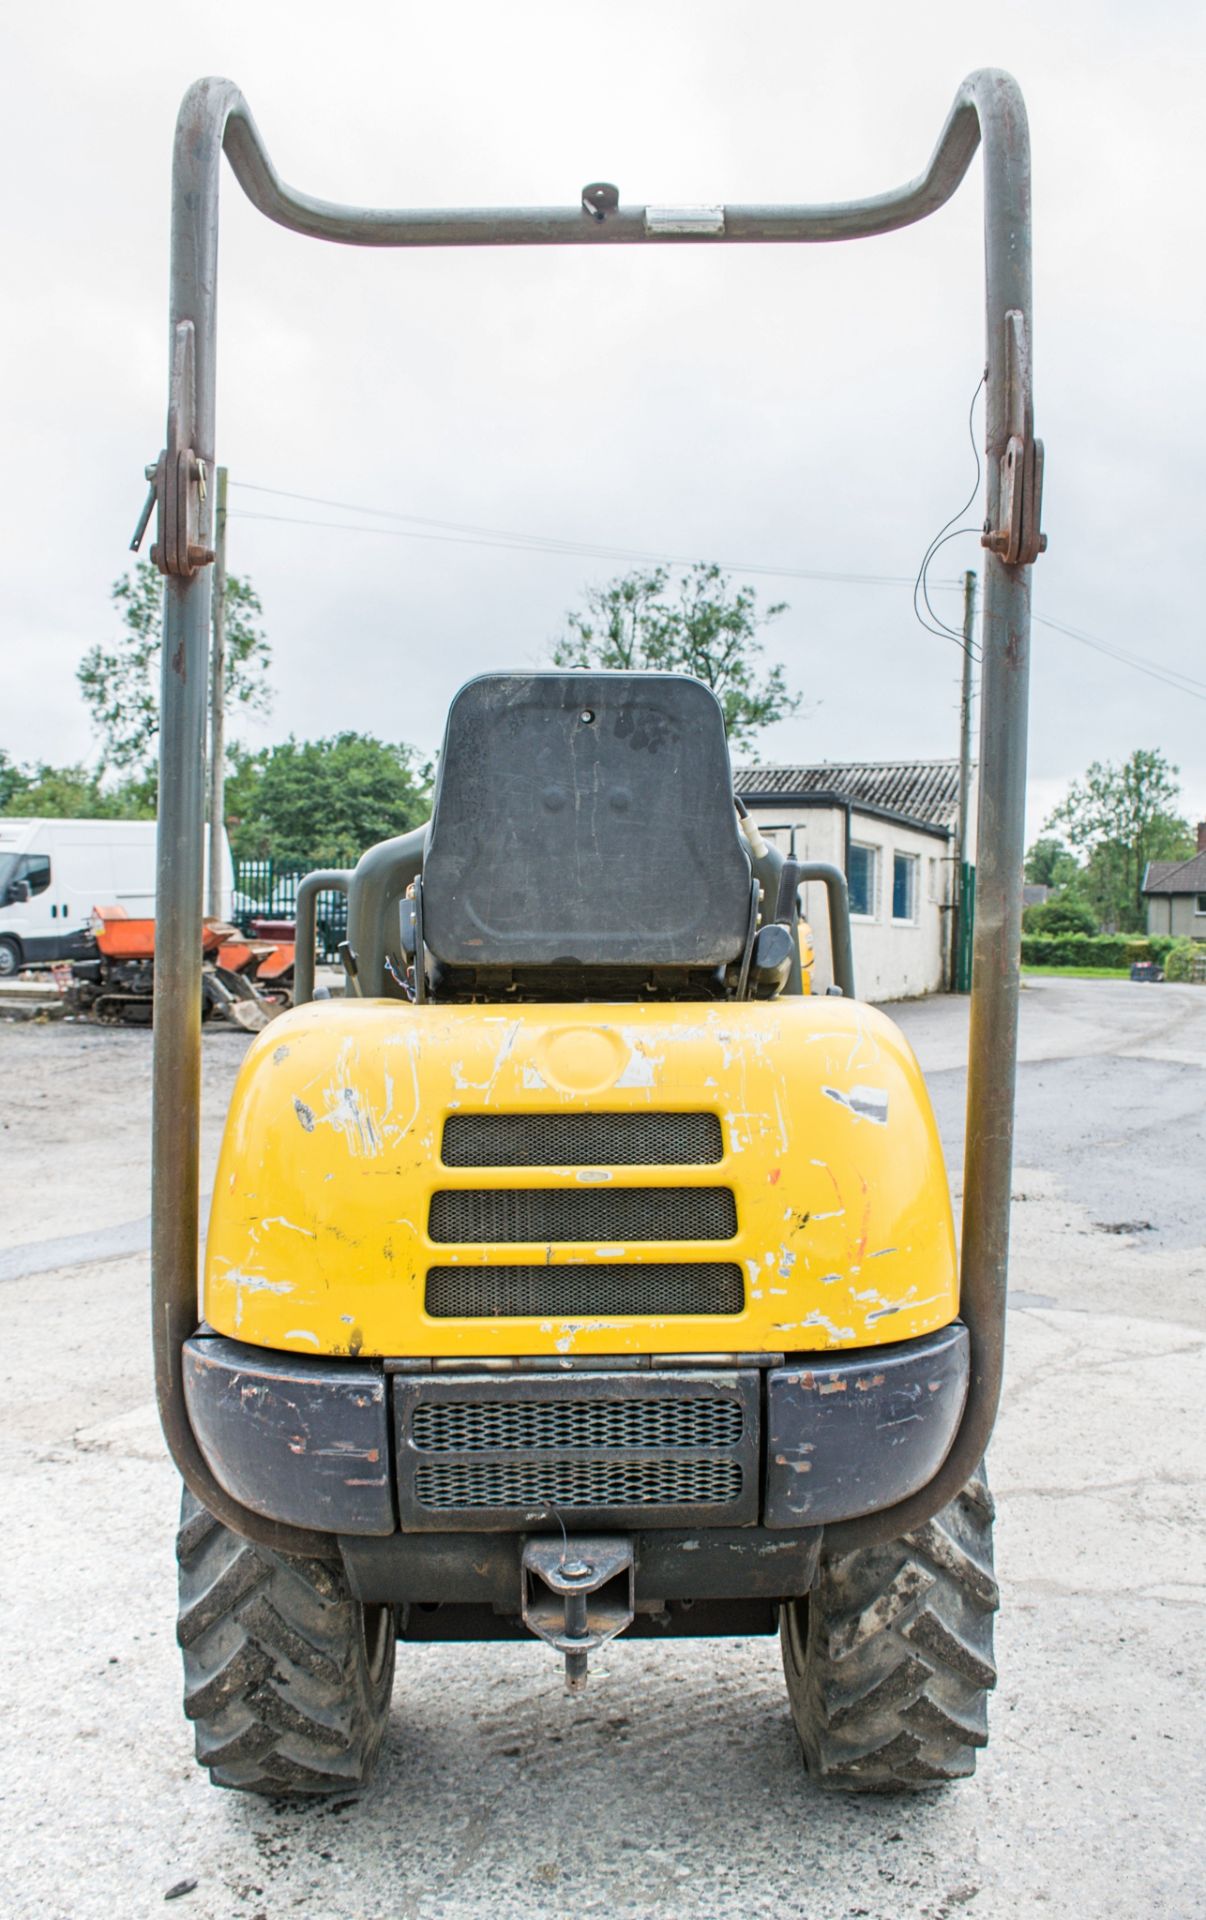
x=936, y=624
x=550, y=1508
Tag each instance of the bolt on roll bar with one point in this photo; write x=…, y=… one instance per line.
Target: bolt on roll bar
x=988, y=111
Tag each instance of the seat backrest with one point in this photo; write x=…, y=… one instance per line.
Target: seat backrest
x=585, y=820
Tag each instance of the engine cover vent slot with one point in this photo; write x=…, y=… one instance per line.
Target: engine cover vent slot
x=501, y=1216
x=503, y=1454
x=582, y=1140
x=514, y=1293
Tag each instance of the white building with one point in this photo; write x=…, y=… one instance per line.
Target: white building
x=890, y=826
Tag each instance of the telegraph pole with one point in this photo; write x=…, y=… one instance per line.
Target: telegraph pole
x=964, y=892
x=217, y=709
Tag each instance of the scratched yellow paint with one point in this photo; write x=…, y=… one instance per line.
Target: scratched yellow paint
x=318, y=1228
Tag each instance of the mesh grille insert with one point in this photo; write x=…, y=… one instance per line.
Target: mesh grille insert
x=474, y=1426
x=513, y=1293
x=582, y=1140
x=502, y=1215
x=578, y=1483
x=676, y=1449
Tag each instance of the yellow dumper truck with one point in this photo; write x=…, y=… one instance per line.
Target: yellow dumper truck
x=580, y=1274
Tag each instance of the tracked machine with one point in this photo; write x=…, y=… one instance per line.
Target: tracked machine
x=243, y=982
x=580, y=1275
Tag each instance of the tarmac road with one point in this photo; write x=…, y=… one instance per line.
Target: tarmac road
x=673, y=1786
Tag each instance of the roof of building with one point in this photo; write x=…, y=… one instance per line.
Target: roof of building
x=1176, y=876
x=926, y=791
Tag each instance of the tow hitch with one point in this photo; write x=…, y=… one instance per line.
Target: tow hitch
x=577, y=1594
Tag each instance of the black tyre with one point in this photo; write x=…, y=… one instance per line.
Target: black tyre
x=10, y=957
x=889, y=1659
x=287, y=1677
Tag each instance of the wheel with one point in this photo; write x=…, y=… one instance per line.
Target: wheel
x=10, y=957
x=287, y=1677
x=889, y=1659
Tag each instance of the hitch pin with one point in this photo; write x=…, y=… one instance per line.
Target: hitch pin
x=576, y=1626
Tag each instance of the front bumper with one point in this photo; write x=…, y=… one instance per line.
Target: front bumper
x=348, y=1448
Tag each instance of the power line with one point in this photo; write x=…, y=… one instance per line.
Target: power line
x=1156, y=670
x=463, y=533
x=417, y=519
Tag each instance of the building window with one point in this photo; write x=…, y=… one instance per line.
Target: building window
x=904, y=887
x=1201, y=904
x=861, y=875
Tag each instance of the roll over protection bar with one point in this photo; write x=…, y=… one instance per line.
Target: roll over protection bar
x=797, y=873
x=988, y=111
x=305, y=932
x=378, y=885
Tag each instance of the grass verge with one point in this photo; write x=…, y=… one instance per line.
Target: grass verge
x=1080, y=973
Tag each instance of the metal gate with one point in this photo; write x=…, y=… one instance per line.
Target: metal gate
x=266, y=889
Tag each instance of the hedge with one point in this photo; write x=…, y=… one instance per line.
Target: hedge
x=1184, y=962
x=1093, y=949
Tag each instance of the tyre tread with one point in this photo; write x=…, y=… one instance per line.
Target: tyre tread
x=889, y=1660
x=276, y=1675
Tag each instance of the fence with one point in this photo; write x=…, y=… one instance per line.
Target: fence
x=965, y=928
x=267, y=890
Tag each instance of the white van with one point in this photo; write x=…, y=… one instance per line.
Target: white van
x=54, y=872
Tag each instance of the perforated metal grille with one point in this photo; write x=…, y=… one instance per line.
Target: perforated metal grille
x=511, y=1293
x=582, y=1140
x=680, y=1449
x=577, y=1483
x=501, y=1215
x=475, y=1426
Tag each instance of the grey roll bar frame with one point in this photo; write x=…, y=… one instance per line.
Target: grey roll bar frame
x=988, y=110
x=305, y=931
x=837, y=896
x=378, y=885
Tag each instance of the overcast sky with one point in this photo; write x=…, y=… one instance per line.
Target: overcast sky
x=781, y=408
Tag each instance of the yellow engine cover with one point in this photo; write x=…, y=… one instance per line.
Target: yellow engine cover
x=320, y=1233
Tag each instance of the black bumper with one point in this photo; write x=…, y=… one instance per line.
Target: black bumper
x=301, y=1441
x=346, y=1448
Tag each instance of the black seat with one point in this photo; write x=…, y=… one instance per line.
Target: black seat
x=585, y=820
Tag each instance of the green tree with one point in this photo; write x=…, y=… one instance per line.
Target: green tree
x=1049, y=864
x=120, y=682
x=322, y=802
x=71, y=793
x=1121, y=817
x=706, y=628
x=13, y=782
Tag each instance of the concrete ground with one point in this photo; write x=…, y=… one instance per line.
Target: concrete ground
x=673, y=1787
